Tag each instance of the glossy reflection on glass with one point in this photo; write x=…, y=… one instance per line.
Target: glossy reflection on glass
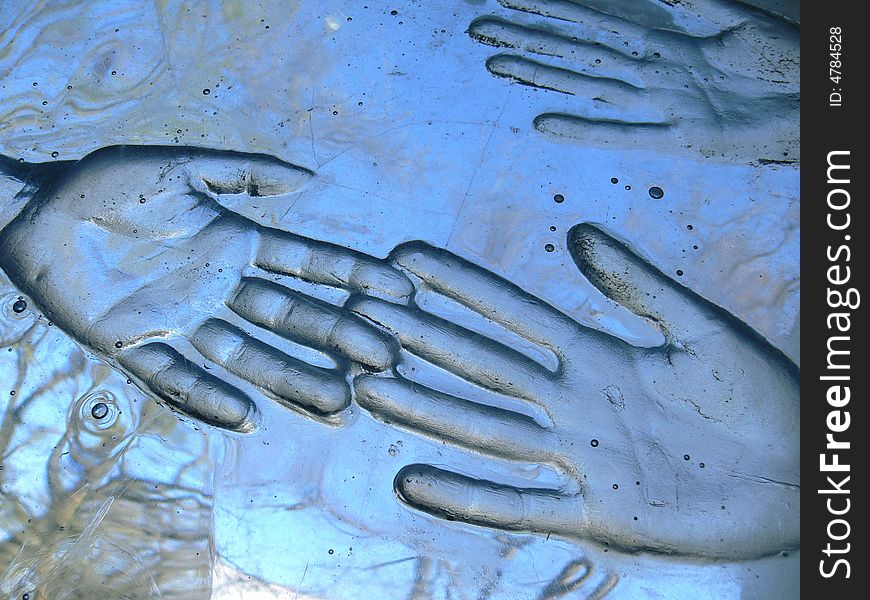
x=347, y=302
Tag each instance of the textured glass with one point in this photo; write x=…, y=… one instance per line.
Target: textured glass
x=485, y=299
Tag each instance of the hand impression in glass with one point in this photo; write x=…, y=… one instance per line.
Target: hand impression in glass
x=131, y=253
x=713, y=79
x=689, y=448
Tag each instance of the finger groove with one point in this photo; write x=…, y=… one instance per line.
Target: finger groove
x=539, y=75
x=189, y=388
x=478, y=427
x=582, y=50
x=256, y=174
x=624, y=277
x=486, y=293
x=292, y=382
x=314, y=323
x=481, y=502
x=459, y=350
x=612, y=133
x=328, y=264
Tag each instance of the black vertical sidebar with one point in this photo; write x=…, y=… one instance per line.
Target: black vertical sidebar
x=834, y=261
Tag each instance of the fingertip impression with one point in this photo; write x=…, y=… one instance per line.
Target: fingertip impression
x=383, y=279
x=458, y=497
x=189, y=388
x=607, y=263
x=355, y=338
x=417, y=257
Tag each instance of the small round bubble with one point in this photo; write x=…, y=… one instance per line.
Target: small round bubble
x=99, y=410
